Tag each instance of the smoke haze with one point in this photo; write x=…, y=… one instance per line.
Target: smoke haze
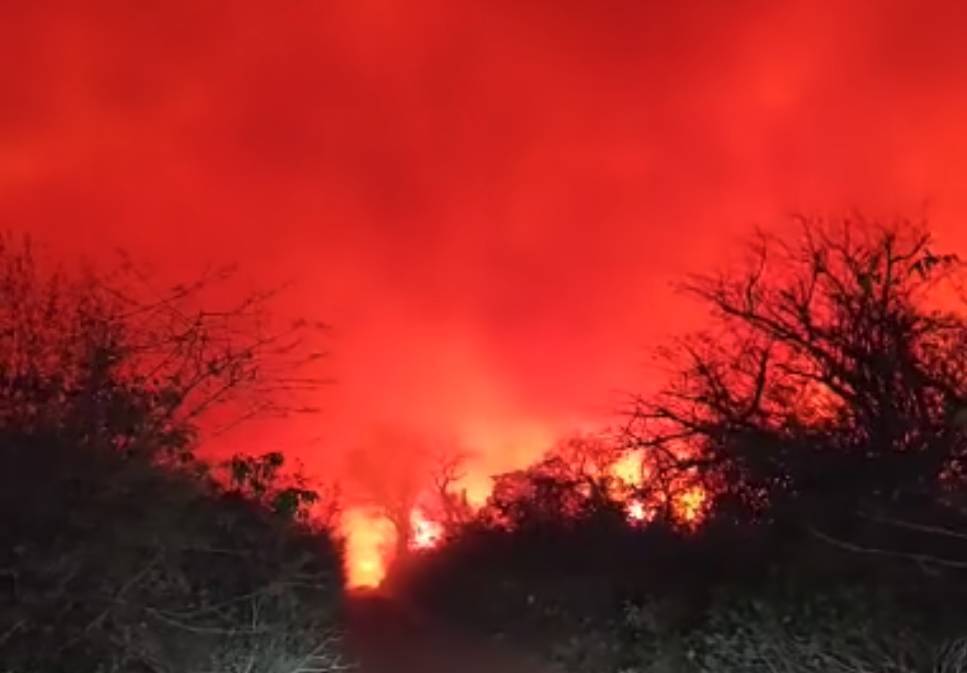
x=487, y=200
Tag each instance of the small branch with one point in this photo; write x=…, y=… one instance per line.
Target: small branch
x=923, y=528
x=12, y=630
x=208, y=630
x=924, y=559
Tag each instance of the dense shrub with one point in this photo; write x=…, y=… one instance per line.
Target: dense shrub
x=845, y=630
x=114, y=564
x=119, y=549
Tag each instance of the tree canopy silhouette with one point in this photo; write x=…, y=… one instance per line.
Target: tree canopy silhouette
x=120, y=550
x=832, y=383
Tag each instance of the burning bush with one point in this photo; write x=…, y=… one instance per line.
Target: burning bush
x=809, y=446
x=584, y=476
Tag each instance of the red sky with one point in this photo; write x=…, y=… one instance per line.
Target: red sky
x=487, y=200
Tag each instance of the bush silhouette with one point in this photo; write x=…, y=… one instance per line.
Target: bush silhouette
x=119, y=549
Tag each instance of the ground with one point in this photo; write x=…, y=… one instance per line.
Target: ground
x=386, y=636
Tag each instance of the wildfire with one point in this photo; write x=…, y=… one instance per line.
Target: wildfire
x=636, y=511
x=628, y=468
x=370, y=540
x=371, y=543
x=371, y=537
x=690, y=504
x=424, y=532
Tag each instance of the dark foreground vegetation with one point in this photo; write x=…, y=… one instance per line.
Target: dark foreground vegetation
x=823, y=413
x=119, y=549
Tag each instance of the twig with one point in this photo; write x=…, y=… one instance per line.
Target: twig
x=99, y=619
x=209, y=630
x=925, y=559
x=317, y=661
x=923, y=528
x=12, y=630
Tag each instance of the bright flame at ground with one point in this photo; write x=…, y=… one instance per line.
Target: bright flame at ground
x=425, y=533
x=688, y=505
x=370, y=540
x=371, y=543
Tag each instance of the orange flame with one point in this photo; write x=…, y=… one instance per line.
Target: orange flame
x=636, y=511
x=371, y=537
x=690, y=504
x=628, y=468
x=370, y=540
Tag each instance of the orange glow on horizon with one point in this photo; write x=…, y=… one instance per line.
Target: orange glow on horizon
x=477, y=489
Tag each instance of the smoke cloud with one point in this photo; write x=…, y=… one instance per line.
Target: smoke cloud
x=487, y=200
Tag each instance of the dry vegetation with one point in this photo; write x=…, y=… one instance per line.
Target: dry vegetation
x=120, y=550
x=823, y=412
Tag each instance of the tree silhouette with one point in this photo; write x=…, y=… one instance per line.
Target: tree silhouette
x=572, y=481
x=831, y=383
x=119, y=550
x=111, y=360
x=452, y=505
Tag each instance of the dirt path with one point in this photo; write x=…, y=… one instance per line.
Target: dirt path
x=386, y=637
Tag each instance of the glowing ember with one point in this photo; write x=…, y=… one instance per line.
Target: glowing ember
x=689, y=505
x=425, y=533
x=370, y=539
x=635, y=509
x=628, y=468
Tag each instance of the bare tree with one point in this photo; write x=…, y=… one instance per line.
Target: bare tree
x=834, y=373
x=389, y=471
x=122, y=553
x=572, y=481
x=448, y=470
x=114, y=359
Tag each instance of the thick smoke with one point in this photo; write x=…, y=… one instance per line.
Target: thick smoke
x=486, y=200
